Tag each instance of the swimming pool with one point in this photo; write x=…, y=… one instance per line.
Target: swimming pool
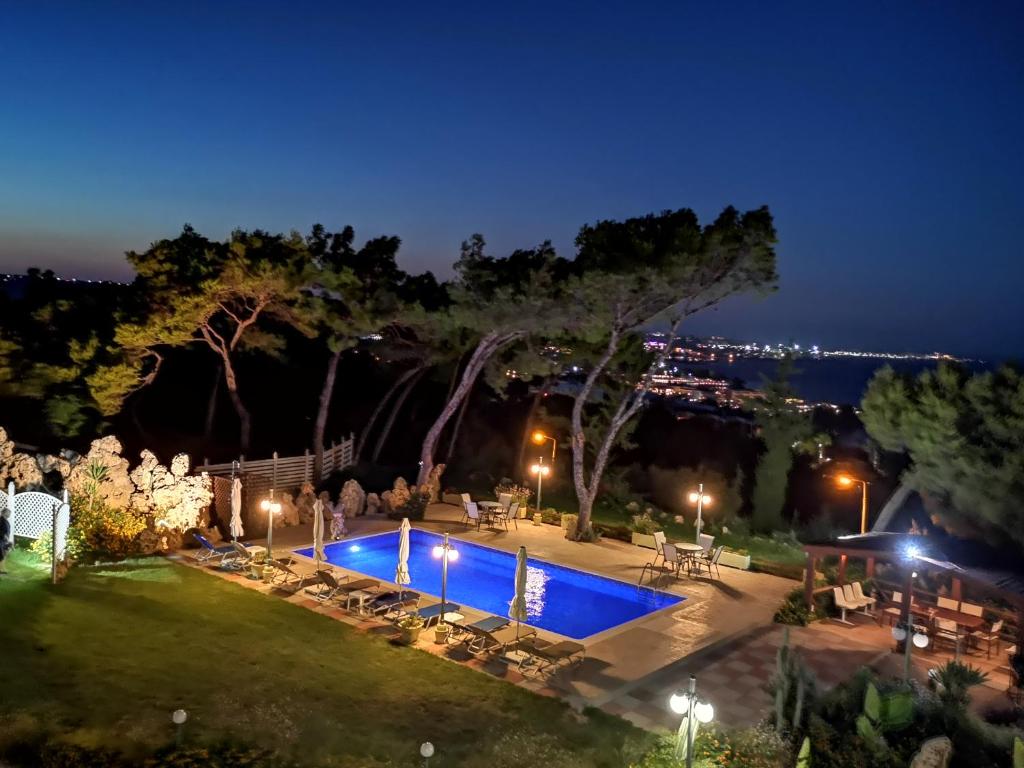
x=560, y=599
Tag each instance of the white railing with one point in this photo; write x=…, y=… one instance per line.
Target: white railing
x=287, y=471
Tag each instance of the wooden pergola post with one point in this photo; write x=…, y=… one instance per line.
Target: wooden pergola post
x=870, y=568
x=956, y=592
x=809, y=580
x=842, y=570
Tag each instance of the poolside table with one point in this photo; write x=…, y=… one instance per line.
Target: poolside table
x=489, y=508
x=689, y=552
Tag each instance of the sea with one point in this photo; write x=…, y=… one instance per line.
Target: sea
x=837, y=380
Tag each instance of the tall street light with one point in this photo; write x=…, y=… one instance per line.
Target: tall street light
x=271, y=507
x=699, y=498
x=694, y=712
x=849, y=481
x=445, y=552
x=541, y=470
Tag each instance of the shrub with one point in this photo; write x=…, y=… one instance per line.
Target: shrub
x=794, y=610
x=645, y=524
x=518, y=492
x=414, y=509
x=97, y=531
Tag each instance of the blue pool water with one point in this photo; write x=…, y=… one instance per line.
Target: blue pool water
x=559, y=599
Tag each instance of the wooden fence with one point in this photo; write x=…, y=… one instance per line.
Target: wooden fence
x=284, y=472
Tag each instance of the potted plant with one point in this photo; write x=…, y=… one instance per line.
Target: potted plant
x=441, y=632
x=735, y=559
x=256, y=565
x=409, y=629
x=643, y=529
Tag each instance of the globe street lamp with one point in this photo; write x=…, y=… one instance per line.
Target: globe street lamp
x=271, y=507
x=445, y=552
x=178, y=717
x=426, y=752
x=694, y=712
x=848, y=481
x=541, y=470
x=699, y=498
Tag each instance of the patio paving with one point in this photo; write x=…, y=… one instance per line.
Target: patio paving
x=627, y=667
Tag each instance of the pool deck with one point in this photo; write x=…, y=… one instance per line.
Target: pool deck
x=642, y=656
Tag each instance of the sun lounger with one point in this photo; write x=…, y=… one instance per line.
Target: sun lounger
x=283, y=575
x=545, y=656
x=389, y=603
x=239, y=558
x=330, y=586
x=432, y=613
x=490, y=624
x=478, y=640
x=209, y=553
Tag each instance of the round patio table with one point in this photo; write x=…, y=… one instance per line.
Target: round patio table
x=689, y=551
x=489, y=508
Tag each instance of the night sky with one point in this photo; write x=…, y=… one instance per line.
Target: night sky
x=886, y=138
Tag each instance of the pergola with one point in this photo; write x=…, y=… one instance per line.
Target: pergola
x=976, y=564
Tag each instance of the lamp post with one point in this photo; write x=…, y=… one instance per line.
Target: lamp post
x=699, y=498
x=848, y=481
x=271, y=507
x=178, y=717
x=445, y=552
x=908, y=635
x=426, y=752
x=541, y=470
x=694, y=712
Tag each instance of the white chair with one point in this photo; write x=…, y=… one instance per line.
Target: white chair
x=851, y=598
x=504, y=515
x=972, y=610
x=858, y=592
x=843, y=604
x=992, y=635
x=895, y=610
x=948, y=604
x=472, y=514
x=659, y=542
x=465, y=498
x=705, y=541
x=948, y=630
x=668, y=567
x=505, y=499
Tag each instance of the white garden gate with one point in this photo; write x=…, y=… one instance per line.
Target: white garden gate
x=32, y=515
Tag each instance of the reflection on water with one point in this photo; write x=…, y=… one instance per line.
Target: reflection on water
x=536, y=585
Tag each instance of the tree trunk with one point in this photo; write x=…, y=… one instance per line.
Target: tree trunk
x=488, y=345
x=457, y=426
x=244, y=419
x=379, y=409
x=586, y=492
x=320, y=425
x=399, y=402
x=211, y=404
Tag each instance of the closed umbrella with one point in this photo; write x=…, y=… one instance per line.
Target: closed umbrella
x=402, y=577
x=318, y=533
x=517, y=608
x=235, y=527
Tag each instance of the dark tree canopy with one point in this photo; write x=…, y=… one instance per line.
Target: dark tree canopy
x=964, y=435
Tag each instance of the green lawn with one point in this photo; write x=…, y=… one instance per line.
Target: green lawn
x=106, y=656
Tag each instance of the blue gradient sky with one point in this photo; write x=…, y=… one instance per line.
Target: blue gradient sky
x=885, y=137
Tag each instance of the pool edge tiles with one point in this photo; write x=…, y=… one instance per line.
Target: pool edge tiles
x=562, y=599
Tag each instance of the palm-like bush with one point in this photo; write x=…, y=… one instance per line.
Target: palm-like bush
x=954, y=681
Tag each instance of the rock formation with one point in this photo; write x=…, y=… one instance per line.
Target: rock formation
x=353, y=497
x=373, y=504
x=305, y=502
x=289, y=514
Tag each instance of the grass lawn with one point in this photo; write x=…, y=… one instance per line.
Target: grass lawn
x=103, y=659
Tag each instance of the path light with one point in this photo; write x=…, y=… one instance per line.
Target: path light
x=541, y=470
x=178, y=717
x=426, y=752
x=699, y=498
x=694, y=711
x=272, y=508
